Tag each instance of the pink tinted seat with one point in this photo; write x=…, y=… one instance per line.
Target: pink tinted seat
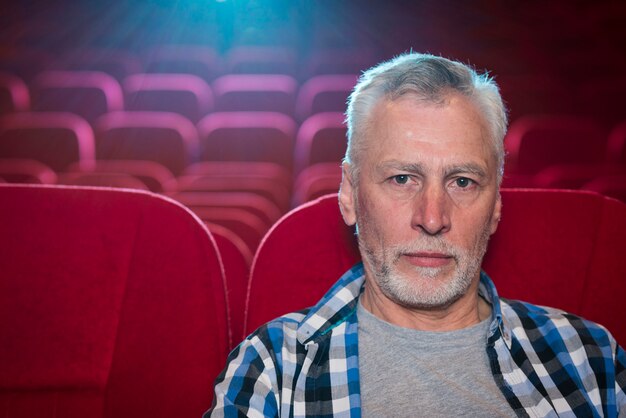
x=247, y=136
x=55, y=139
x=556, y=248
x=245, y=224
x=252, y=92
x=162, y=137
x=112, y=304
x=321, y=139
x=316, y=181
x=324, y=93
x=260, y=60
x=153, y=175
x=86, y=93
x=616, y=144
x=114, y=180
x=16, y=170
x=198, y=60
x=266, y=187
x=536, y=142
x=186, y=94
x=611, y=185
x=251, y=202
x=573, y=176
x=117, y=63
x=237, y=258
x=14, y=96
x=237, y=169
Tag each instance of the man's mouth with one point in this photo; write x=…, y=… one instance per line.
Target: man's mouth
x=428, y=259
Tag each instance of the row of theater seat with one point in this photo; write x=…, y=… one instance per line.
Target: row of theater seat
x=91, y=94
x=543, y=151
x=122, y=304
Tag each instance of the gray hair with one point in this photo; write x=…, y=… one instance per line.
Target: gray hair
x=431, y=79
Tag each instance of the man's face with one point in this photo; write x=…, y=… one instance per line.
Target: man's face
x=427, y=199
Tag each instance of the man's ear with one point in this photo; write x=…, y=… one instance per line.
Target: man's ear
x=497, y=212
x=346, y=195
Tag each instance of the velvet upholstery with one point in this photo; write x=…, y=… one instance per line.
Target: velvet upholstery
x=112, y=304
x=553, y=247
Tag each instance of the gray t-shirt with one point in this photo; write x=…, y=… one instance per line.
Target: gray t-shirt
x=410, y=373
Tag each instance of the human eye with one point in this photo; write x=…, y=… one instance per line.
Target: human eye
x=464, y=183
x=400, y=179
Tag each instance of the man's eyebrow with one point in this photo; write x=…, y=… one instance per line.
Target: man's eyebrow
x=470, y=168
x=416, y=168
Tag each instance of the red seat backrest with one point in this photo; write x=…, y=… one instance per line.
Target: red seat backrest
x=536, y=142
x=247, y=136
x=553, y=247
x=321, y=139
x=185, y=94
x=56, y=139
x=112, y=304
x=89, y=94
x=162, y=137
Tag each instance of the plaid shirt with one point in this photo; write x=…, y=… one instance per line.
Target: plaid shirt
x=546, y=362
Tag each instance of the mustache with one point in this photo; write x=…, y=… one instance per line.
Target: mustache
x=427, y=245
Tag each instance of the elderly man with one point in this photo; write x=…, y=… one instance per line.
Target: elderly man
x=417, y=329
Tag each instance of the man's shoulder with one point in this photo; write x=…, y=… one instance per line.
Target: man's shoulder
x=552, y=325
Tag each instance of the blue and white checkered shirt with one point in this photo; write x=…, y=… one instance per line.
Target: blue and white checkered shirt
x=547, y=362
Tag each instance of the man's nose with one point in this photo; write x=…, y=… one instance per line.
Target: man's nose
x=431, y=212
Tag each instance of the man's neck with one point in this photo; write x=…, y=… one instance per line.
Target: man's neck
x=469, y=310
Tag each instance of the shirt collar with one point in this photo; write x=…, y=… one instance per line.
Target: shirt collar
x=341, y=301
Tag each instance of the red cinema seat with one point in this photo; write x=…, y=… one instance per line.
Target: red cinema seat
x=114, y=180
x=611, y=185
x=251, y=202
x=185, y=94
x=255, y=92
x=321, y=139
x=266, y=187
x=555, y=248
x=197, y=60
x=55, y=139
x=537, y=142
x=88, y=94
x=616, y=144
x=119, y=64
x=260, y=60
x=14, y=95
x=153, y=175
x=316, y=181
x=263, y=170
x=324, y=93
x=246, y=225
x=17, y=170
x=161, y=137
x=112, y=304
x=237, y=258
x=247, y=136
x=573, y=176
